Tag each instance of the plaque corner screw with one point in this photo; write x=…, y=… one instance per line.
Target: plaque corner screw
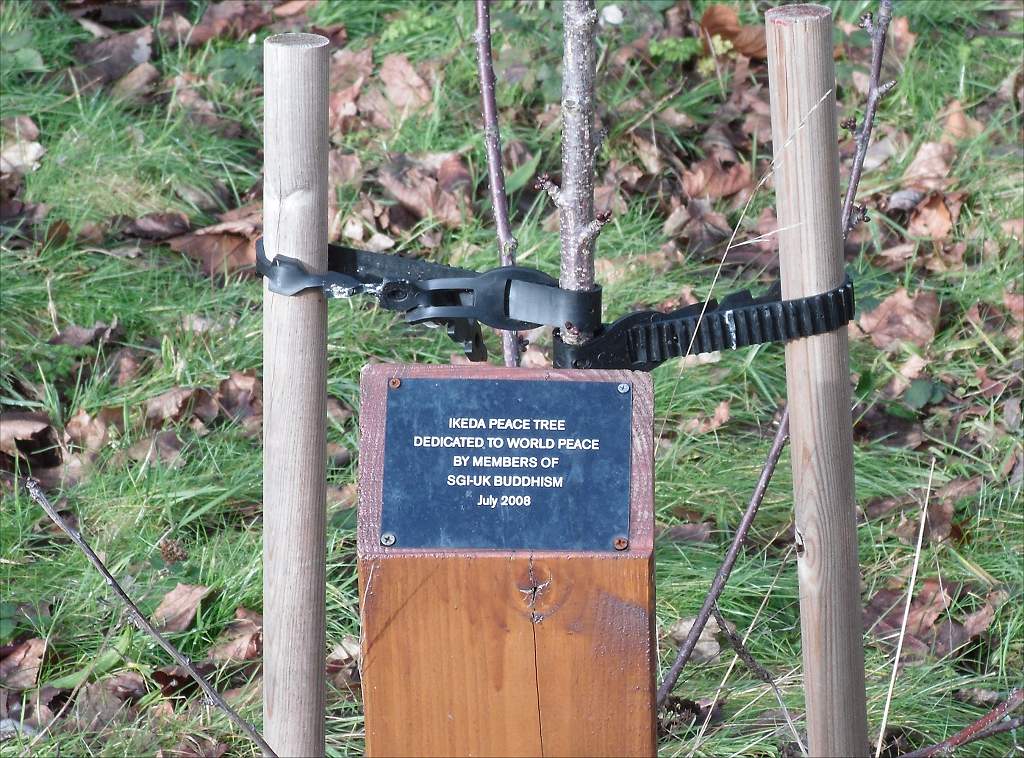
x=620, y=543
x=623, y=388
x=387, y=539
x=394, y=383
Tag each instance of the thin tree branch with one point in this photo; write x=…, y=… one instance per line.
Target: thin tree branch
x=722, y=575
x=507, y=244
x=1003, y=726
x=589, y=233
x=576, y=211
x=757, y=670
x=554, y=192
x=877, y=28
x=35, y=491
x=980, y=729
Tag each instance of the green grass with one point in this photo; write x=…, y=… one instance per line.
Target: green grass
x=107, y=157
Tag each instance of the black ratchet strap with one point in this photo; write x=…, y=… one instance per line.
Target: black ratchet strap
x=519, y=298
x=644, y=340
x=510, y=297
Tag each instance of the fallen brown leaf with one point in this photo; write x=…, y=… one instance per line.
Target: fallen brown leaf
x=932, y=218
x=724, y=21
x=242, y=640
x=29, y=435
x=136, y=83
x=902, y=39
x=124, y=365
x=705, y=424
x=349, y=70
x=910, y=370
x=711, y=178
x=180, y=404
x=901, y=318
x=1014, y=303
x=340, y=498
x=241, y=398
x=185, y=96
x=695, y=532
x=959, y=126
x=225, y=247
x=158, y=226
x=707, y=648
x=893, y=431
x=431, y=187
x=938, y=526
x=80, y=336
x=229, y=18
x=19, y=669
x=337, y=412
x=96, y=707
x=291, y=8
x=19, y=127
x=105, y=61
x=20, y=157
x=178, y=607
x=175, y=680
x=343, y=665
x=404, y=87
x=930, y=168
x=338, y=456
x=343, y=170
x=195, y=746
x=163, y=447
x=92, y=432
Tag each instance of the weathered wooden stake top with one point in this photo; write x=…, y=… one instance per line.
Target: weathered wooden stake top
x=806, y=162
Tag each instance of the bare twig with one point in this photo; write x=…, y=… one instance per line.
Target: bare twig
x=906, y=611
x=507, y=244
x=722, y=575
x=1003, y=726
x=554, y=192
x=980, y=729
x=35, y=491
x=576, y=206
x=877, y=28
x=757, y=670
x=589, y=233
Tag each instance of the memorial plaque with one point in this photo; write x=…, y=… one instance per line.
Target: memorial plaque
x=507, y=464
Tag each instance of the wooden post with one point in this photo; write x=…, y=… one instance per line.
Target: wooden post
x=802, y=88
x=295, y=386
x=483, y=651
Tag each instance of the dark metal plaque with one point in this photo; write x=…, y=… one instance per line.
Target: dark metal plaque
x=491, y=463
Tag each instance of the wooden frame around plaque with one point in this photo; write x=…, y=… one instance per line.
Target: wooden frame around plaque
x=506, y=652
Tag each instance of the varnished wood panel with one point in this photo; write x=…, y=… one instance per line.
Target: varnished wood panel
x=491, y=652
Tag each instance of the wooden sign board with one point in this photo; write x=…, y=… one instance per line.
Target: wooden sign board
x=506, y=561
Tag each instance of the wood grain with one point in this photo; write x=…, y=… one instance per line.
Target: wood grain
x=490, y=652
x=801, y=83
x=295, y=392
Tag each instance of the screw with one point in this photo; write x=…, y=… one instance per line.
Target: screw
x=394, y=383
x=620, y=543
x=623, y=388
x=388, y=538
